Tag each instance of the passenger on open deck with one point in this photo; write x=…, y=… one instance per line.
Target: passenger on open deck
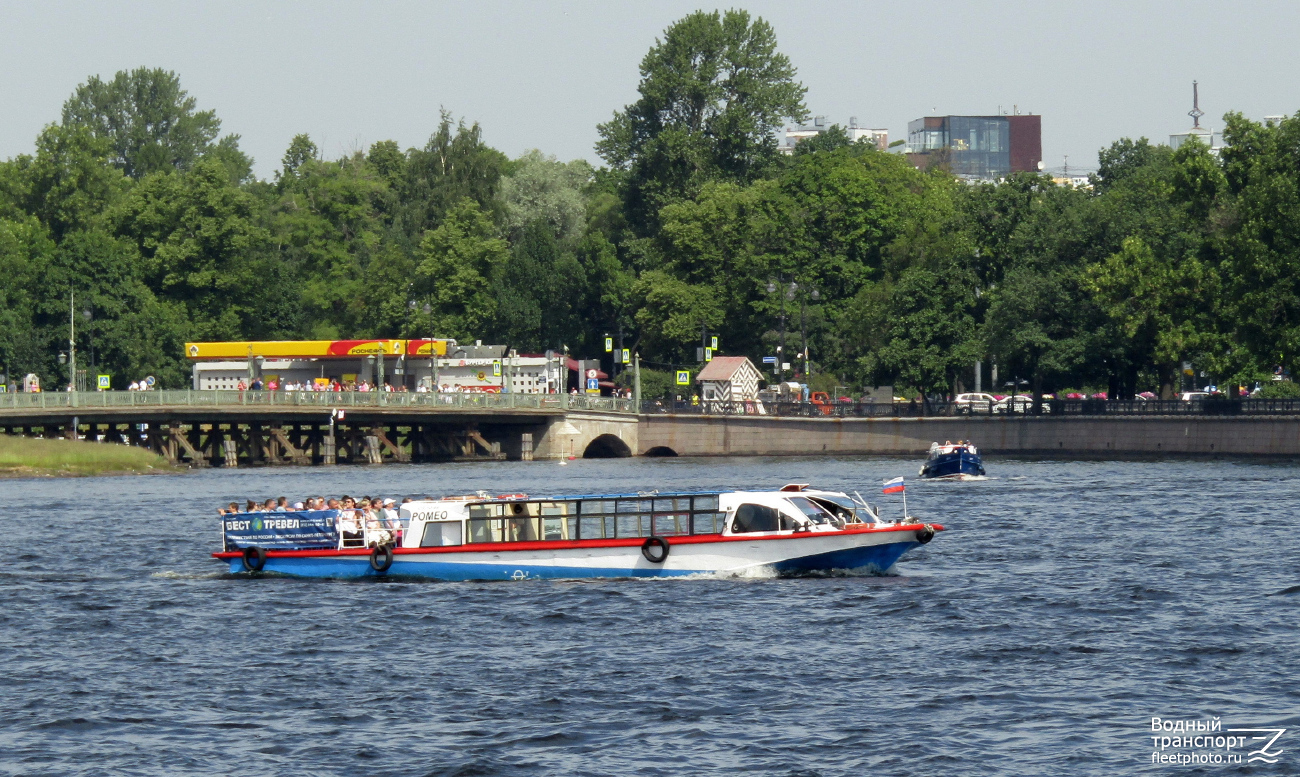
x=349, y=527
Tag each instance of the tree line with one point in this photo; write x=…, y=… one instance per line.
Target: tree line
x=845, y=259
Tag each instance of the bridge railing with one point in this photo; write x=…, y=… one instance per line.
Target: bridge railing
x=1214, y=406
x=322, y=399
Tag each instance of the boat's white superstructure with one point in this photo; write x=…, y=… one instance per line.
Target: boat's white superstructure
x=482, y=537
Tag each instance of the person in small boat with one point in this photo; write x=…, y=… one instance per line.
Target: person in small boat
x=282, y=505
x=269, y=505
x=251, y=507
x=230, y=509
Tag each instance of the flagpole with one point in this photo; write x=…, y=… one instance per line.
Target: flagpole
x=904, y=500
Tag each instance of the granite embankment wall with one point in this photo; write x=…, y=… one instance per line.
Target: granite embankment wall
x=685, y=435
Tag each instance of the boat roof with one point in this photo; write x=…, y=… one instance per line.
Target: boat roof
x=481, y=499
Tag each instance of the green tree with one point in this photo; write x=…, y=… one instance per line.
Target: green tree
x=713, y=92
x=1257, y=236
x=456, y=265
x=149, y=121
x=455, y=164
x=1156, y=302
x=203, y=254
x=301, y=151
x=924, y=331
x=542, y=188
x=672, y=312
x=25, y=251
x=70, y=182
x=328, y=228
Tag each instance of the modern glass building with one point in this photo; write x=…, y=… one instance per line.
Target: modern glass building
x=978, y=147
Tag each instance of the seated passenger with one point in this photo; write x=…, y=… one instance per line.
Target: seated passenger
x=269, y=506
x=251, y=507
x=348, y=526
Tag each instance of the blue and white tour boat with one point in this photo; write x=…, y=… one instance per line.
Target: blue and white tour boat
x=481, y=537
x=953, y=461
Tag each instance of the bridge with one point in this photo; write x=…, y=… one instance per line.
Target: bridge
x=231, y=428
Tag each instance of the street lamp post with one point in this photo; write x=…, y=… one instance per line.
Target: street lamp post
x=772, y=286
x=72, y=340
x=803, y=326
x=433, y=357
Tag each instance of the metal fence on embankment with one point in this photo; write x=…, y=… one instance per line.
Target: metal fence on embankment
x=1050, y=408
x=215, y=398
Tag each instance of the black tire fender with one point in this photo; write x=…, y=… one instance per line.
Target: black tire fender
x=925, y=534
x=381, y=558
x=254, y=559
x=655, y=542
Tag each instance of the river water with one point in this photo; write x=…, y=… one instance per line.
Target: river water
x=1067, y=605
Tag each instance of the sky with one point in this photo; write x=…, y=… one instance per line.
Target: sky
x=544, y=74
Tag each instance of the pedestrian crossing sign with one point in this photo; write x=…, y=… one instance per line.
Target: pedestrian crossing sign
x=104, y=382
x=683, y=377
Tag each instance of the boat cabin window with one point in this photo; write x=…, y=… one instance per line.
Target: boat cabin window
x=671, y=516
x=595, y=519
x=753, y=518
x=844, y=508
x=814, y=512
x=440, y=533
x=505, y=522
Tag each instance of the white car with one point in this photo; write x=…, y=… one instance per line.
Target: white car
x=1020, y=404
x=975, y=403
x=1192, y=396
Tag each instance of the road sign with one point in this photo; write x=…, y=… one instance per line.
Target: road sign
x=609, y=344
x=627, y=355
x=708, y=354
x=593, y=386
x=769, y=360
x=683, y=377
x=714, y=344
x=591, y=375
x=104, y=382
x=496, y=369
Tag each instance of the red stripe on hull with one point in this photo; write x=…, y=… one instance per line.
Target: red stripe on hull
x=497, y=547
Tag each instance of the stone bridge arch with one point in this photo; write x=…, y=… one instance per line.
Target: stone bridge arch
x=606, y=446
x=589, y=435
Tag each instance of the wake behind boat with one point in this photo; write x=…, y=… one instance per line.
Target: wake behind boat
x=959, y=461
x=514, y=537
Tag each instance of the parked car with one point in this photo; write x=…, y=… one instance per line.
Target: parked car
x=1193, y=396
x=1020, y=404
x=974, y=403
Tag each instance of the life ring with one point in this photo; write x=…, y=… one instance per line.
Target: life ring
x=655, y=542
x=925, y=534
x=254, y=559
x=381, y=558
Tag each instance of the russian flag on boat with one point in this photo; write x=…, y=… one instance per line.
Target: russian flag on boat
x=893, y=486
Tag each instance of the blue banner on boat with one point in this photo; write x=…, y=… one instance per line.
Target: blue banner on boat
x=306, y=529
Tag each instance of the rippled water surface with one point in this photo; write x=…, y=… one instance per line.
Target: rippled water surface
x=1068, y=604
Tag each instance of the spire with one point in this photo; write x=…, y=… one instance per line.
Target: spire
x=1196, y=113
